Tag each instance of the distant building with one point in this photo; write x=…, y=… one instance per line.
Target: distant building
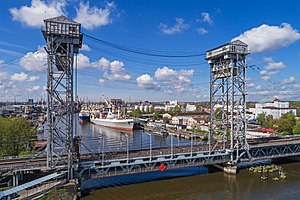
x=276, y=108
x=197, y=121
x=170, y=105
x=30, y=101
x=190, y=108
x=180, y=121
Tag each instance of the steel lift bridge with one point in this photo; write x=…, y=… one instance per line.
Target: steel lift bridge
x=228, y=122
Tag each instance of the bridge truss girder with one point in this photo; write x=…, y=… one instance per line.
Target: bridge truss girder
x=146, y=164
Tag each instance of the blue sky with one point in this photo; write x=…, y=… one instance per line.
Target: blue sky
x=175, y=27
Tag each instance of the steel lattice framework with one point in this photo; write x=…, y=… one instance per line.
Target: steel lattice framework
x=63, y=39
x=228, y=96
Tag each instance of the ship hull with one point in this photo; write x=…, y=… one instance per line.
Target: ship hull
x=120, y=124
x=83, y=118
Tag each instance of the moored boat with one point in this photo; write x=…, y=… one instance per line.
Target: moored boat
x=84, y=116
x=112, y=122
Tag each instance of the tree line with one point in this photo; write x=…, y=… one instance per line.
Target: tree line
x=286, y=124
x=16, y=135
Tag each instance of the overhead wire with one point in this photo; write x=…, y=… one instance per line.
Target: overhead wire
x=140, y=51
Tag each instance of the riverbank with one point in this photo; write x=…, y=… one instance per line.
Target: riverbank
x=67, y=191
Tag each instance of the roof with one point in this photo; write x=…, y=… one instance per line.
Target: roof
x=61, y=19
x=278, y=108
x=267, y=130
x=235, y=42
x=199, y=119
x=24, y=186
x=182, y=117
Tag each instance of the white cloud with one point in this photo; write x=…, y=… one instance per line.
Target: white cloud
x=265, y=78
x=289, y=80
x=19, y=77
x=145, y=81
x=250, y=85
x=176, y=81
x=93, y=17
x=35, y=61
x=267, y=38
x=272, y=68
x=112, y=70
x=275, y=65
x=2, y=62
x=33, y=78
x=83, y=61
x=102, y=64
x=258, y=87
x=85, y=47
x=169, y=75
x=263, y=72
x=272, y=73
x=201, y=30
x=117, y=71
x=3, y=75
x=206, y=18
x=176, y=28
x=34, y=14
x=36, y=87
x=101, y=81
x=165, y=74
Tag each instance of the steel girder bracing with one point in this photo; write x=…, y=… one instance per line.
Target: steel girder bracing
x=278, y=151
x=63, y=40
x=145, y=164
x=228, y=97
x=60, y=100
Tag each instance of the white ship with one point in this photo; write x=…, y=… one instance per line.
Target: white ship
x=111, y=121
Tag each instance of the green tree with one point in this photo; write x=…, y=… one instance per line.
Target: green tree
x=157, y=115
x=218, y=114
x=175, y=111
x=15, y=136
x=136, y=113
x=265, y=121
x=261, y=119
x=296, y=129
x=286, y=123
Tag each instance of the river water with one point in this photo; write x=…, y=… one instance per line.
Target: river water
x=216, y=185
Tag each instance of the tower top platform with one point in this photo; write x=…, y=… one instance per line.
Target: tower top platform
x=228, y=50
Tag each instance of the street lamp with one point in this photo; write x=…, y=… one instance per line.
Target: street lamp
x=172, y=146
x=150, y=145
x=127, y=140
x=101, y=137
x=192, y=135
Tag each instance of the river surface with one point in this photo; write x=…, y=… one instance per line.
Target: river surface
x=96, y=139
x=216, y=185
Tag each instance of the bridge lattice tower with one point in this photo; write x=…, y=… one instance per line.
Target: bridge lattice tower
x=228, y=97
x=64, y=39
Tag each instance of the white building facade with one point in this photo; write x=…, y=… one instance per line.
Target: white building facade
x=276, y=108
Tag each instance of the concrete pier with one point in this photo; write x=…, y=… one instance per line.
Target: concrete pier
x=230, y=169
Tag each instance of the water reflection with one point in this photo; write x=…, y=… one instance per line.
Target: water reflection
x=93, y=136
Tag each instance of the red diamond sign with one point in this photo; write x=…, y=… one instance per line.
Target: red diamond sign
x=162, y=167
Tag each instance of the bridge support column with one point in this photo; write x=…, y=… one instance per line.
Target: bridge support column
x=15, y=179
x=230, y=169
